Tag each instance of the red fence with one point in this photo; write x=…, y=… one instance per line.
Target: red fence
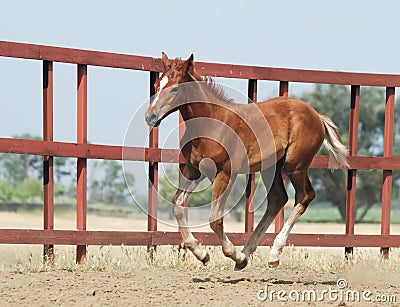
x=153, y=155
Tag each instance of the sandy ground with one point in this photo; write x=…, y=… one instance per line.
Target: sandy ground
x=191, y=285
x=172, y=287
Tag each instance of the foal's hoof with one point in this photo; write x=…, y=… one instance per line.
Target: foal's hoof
x=241, y=266
x=206, y=259
x=273, y=264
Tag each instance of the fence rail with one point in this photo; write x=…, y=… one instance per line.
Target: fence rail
x=148, y=154
x=124, y=61
x=154, y=155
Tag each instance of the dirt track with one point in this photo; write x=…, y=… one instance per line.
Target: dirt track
x=168, y=283
x=172, y=287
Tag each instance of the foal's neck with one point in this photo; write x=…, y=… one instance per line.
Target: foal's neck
x=196, y=109
x=212, y=95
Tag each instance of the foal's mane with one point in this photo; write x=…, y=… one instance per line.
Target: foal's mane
x=214, y=87
x=217, y=89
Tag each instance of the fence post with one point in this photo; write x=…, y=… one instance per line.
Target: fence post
x=81, y=162
x=280, y=217
x=153, y=172
x=352, y=173
x=387, y=174
x=250, y=178
x=48, y=177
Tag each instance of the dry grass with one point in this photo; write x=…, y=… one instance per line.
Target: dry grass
x=28, y=258
x=130, y=259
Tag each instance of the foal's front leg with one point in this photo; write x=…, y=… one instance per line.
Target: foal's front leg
x=221, y=188
x=191, y=178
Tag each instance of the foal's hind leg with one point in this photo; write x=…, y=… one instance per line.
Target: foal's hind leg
x=304, y=195
x=277, y=198
x=191, y=178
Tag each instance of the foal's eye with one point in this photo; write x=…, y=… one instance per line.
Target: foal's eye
x=174, y=90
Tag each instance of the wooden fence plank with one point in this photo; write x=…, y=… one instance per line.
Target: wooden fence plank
x=135, y=238
x=125, y=61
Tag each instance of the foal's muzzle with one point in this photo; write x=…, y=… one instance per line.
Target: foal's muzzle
x=151, y=119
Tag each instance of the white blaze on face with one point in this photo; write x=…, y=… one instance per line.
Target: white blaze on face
x=163, y=83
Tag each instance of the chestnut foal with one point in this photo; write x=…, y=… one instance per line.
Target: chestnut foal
x=223, y=139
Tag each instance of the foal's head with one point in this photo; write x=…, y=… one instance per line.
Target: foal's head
x=169, y=95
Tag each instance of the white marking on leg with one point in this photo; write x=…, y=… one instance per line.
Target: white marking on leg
x=280, y=242
x=180, y=199
x=163, y=83
x=193, y=245
x=231, y=251
x=188, y=239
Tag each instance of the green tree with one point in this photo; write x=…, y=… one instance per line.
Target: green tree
x=6, y=191
x=14, y=167
x=29, y=190
x=334, y=101
x=17, y=167
x=62, y=167
x=110, y=186
x=22, y=174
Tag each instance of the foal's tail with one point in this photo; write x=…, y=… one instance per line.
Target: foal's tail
x=334, y=144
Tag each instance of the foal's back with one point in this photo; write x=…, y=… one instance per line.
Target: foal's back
x=296, y=126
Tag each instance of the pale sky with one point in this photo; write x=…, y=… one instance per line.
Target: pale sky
x=339, y=35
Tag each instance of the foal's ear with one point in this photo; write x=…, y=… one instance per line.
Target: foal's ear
x=189, y=64
x=165, y=61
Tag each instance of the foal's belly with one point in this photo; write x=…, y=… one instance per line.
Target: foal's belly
x=211, y=157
